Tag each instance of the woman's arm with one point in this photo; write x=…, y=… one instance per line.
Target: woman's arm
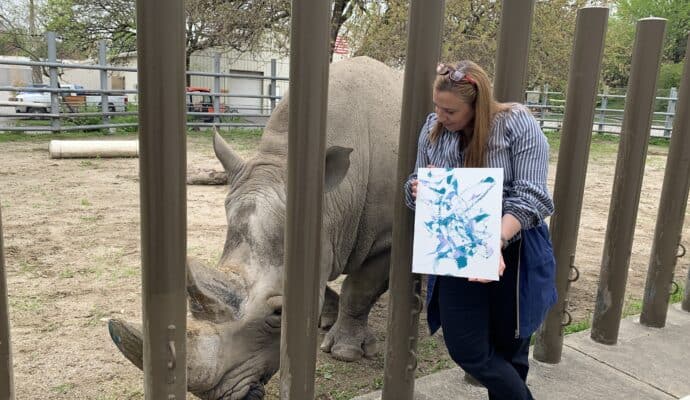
x=528, y=202
x=422, y=161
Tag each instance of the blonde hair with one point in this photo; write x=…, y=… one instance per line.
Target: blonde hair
x=475, y=90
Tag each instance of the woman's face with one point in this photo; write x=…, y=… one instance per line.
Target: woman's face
x=452, y=112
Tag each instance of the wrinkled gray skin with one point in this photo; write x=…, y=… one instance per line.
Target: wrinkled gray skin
x=233, y=335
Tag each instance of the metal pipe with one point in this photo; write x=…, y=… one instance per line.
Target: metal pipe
x=513, y=50
x=162, y=165
x=625, y=197
x=685, y=305
x=216, y=87
x=669, y=223
x=272, y=85
x=573, y=155
x=53, y=72
x=6, y=372
x=103, y=80
x=309, y=67
x=423, y=50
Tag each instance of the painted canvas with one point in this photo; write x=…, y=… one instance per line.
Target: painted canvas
x=458, y=222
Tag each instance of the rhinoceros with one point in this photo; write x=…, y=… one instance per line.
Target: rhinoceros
x=233, y=335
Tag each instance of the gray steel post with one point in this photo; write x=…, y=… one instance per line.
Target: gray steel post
x=685, y=305
x=513, y=50
x=405, y=302
x=542, y=103
x=572, y=168
x=6, y=374
x=670, y=109
x=669, y=222
x=604, y=104
x=104, y=81
x=272, y=86
x=216, y=87
x=162, y=169
x=309, y=67
x=54, y=84
x=625, y=197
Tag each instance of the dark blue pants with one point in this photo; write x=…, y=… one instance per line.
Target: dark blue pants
x=479, y=321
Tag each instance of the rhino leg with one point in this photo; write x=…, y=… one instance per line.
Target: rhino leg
x=329, y=312
x=350, y=337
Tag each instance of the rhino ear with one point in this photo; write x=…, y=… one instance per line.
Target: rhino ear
x=337, y=164
x=208, y=291
x=232, y=163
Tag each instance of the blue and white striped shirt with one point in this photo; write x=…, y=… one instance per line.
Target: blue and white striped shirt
x=516, y=144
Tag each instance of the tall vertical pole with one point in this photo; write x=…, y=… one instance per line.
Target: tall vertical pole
x=102, y=60
x=216, y=87
x=632, y=152
x=423, y=50
x=669, y=222
x=54, y=84
x=162, y=165
x=309, y=42
x=6, y=375
x=510, y=77
x=272, y=86
x=585, y=64
x=685, y=305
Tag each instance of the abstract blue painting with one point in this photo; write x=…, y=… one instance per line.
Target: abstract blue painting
x=458, y=222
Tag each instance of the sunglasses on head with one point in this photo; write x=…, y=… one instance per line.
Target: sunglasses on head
x=455, y=75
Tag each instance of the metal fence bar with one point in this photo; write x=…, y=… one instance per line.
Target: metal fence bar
x=309, y=68
x=6, y=371
x=513, y=50
x=216, y=87
x=55, y=64
x=685, y=305
x=257, y=77
x=632, y=152
x=670, y=111
x=102, y=61
x=272, y=86
x=54, y=100
x=669, y=222
x=573, y=156
x=66, y=90
x=405, y=302
x=162, y=165
x=604, y=103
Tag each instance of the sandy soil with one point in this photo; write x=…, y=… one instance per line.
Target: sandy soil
x=72, y=250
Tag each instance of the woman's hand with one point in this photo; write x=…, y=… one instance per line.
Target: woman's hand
x=501, y=268
x=413, y=185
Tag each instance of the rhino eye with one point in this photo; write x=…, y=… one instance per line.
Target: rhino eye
x=273, y=320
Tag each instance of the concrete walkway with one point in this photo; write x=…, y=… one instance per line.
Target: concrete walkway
x=647, y=363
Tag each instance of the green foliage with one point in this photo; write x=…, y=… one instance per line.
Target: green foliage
x=617, y=52
x=669, y=76
x=677, y=12
x=470, y=30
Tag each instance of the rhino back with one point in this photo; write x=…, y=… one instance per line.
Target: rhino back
x=364, y=102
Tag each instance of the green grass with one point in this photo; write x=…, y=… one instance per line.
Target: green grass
x=632, y=306
x=62, y=389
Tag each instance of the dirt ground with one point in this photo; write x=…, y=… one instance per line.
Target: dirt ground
x=72, y=250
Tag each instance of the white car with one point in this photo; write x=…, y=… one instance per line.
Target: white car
x=78, y=97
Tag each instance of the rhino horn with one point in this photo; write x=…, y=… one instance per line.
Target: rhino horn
x=128, y=339
x=210, y=296
x=232, y=162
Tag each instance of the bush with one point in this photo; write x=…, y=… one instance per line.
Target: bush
x=669, y=75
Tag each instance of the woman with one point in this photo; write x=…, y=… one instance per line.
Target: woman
x=487, y=325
